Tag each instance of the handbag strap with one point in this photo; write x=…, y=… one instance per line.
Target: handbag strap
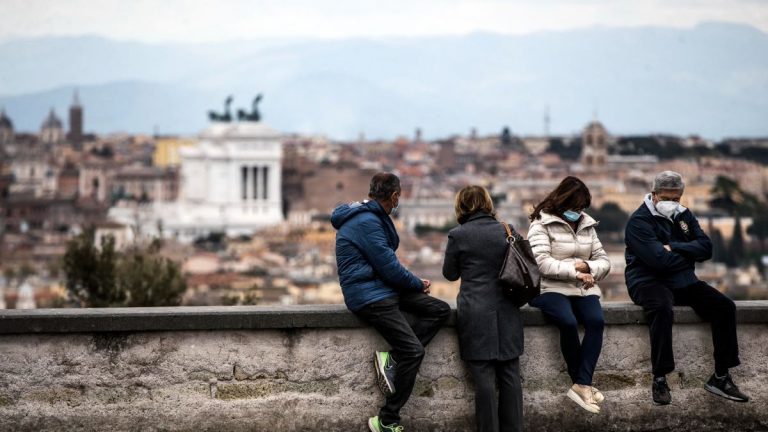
x=510, y=237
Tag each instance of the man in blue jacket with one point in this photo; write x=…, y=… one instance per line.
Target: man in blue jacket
x=664, y=242
x=379, y=290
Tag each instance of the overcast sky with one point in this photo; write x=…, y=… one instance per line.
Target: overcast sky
x=218, y=20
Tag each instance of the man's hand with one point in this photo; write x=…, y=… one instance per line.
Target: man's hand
x=582, y=267
x=427, y=283
x=668, y=248
x=586, y=279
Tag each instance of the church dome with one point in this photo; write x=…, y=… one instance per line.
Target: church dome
x=52, y=121
x=5, y=122
x=595, y=127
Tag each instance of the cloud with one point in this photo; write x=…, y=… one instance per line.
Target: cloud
x=206, y=20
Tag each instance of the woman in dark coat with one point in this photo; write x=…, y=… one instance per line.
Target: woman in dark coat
x=490, y=327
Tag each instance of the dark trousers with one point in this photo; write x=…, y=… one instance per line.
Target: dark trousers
x=710, y=304
x=506, y=413
x=566, y=312
x=407, y=322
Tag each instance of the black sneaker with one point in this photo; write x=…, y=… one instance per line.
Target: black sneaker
x=660, y=389
x=724, y=387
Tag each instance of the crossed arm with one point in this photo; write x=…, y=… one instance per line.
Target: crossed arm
x=646, y=246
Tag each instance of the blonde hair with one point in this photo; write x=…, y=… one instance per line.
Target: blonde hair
x=473, y=199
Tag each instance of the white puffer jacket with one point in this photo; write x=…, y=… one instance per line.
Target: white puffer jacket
x=558, y=248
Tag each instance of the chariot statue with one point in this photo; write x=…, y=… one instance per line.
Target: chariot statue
x=226, y=116
x=254, y=115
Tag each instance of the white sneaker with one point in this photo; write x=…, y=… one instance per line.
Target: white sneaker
x=588, y=405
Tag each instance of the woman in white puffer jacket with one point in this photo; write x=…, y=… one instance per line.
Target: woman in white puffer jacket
x=571, y=259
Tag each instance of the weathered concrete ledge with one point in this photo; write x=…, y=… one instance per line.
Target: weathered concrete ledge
x=307, y=368
x=277, y=317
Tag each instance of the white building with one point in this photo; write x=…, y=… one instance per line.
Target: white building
x=34, y=173
x=230, y=183
x=26, y=298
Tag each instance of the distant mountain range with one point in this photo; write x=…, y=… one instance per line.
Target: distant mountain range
x=710, y=80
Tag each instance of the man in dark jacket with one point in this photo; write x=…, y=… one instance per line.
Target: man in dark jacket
x=378, y=289
x=664, y=242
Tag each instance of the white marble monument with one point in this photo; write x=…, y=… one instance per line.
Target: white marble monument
x=230, y=183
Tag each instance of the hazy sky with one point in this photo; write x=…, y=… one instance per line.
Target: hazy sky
x=217, y=20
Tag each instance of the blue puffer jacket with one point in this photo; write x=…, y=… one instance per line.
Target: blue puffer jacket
x=366, y=242
x=647, y=261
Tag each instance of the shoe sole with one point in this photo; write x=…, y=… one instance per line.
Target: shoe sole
x=594, y=409
x=381, y=379
x=661, y=403
x=718, y=392
x=371, y=426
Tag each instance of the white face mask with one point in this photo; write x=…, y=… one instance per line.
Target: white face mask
x=667, y=208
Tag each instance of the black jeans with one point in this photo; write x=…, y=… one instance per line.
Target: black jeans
x=710, y=304
x=566, y=312
x=506, y=413
x=407, y=322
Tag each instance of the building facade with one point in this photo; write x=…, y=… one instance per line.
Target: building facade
x=230, y=182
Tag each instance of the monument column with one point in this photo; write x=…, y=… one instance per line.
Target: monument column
x=275, y=174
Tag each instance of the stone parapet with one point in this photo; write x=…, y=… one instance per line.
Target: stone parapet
x=307, y=368
x=13, y=321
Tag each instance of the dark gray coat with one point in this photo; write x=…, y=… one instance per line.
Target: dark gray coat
x=490, y=327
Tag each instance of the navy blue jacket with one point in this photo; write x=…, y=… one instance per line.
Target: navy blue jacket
x=647, y=261
x=366, y=242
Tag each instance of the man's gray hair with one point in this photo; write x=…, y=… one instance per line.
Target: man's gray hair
x=668, y=180
x=383, y=185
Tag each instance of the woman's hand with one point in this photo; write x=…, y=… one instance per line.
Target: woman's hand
x=586, y=279
x=582, y=267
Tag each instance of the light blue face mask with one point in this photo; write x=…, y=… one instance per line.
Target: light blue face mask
x=571, y=216
x=397, y=207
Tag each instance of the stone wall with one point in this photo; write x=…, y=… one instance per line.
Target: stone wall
x=308, y=368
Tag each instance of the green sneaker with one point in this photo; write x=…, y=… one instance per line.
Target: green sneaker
x=375, y=426
x=385, y=372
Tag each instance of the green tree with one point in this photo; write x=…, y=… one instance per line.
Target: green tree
x=736, y=250
x=727, y=195
x=566, y=151
x=150, y=279
x=612, y=218
x=102, y=277
x=759, y=227
x=91, y=272
x=719, y=251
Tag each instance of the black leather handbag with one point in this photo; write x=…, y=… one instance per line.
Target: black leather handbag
x=519, y=275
